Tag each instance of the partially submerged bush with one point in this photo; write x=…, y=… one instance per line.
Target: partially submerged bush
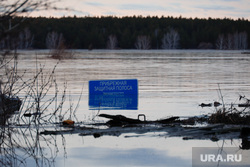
x=61, y=54
x=229, y=118
x=232, y=115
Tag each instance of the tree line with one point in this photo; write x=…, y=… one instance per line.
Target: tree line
x=126, y=33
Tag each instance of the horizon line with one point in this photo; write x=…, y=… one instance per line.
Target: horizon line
x=139, y=16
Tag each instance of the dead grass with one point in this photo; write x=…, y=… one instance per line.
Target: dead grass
x=236, y=117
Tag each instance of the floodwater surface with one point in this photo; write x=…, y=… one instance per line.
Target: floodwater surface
x=171, y=83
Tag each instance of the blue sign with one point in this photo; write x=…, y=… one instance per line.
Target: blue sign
x=129, y=86
x=113, y=94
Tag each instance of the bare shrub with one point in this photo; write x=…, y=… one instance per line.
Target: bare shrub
x=143, y=42
x=112, y=42
x=237, y=41
x=171, y=40
x=56, y=43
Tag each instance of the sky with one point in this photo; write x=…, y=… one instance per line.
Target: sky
x=186, y=8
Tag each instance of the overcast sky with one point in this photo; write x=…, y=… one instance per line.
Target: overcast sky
x=185, y=8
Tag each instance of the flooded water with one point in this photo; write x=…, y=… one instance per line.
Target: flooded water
x=171, y=83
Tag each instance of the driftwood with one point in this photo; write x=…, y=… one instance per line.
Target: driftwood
x=120, y=120
x=244, y=105
x=171, y=127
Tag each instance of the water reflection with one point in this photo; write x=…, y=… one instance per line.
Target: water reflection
x=24, y=146
x=95, y=156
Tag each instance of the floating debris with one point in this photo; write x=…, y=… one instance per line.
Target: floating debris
x=32, y=114
x=216, y=104
x=68, y=122
x=244, y=105
x=206, y=105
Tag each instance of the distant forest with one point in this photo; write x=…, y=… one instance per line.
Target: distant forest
x=126, y=33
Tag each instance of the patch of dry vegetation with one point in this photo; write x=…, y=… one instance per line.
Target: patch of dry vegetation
x=239, y=115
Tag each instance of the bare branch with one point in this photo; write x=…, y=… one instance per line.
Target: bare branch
x=13, y=8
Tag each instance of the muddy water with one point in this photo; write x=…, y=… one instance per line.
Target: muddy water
x=171, y=83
